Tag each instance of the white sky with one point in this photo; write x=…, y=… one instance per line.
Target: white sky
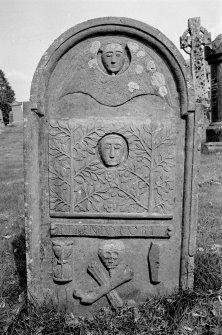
x=28, y=27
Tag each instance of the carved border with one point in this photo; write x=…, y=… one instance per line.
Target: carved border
x=109, y=230
x=112, y=215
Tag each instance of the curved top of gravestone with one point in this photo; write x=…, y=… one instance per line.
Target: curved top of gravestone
x=95, y=69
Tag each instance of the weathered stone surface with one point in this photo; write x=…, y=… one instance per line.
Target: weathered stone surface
x=214, y=59
x=111, y=160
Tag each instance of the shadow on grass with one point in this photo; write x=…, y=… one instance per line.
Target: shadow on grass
x=19, y=252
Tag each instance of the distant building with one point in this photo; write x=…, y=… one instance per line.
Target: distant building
x=17, y=111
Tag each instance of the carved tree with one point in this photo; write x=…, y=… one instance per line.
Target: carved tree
x=79, y=182
x=60, y=166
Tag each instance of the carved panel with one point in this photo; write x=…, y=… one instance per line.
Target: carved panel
x=62, y=265
x=60, y=166
x=111, y=255
x=83, y=180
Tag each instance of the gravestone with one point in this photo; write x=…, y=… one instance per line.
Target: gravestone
x=17, y=110
x=214, y=59
x=111, y=160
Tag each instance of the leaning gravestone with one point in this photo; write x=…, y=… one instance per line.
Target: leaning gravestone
x=111, y=153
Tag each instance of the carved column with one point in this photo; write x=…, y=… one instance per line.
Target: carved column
x=192, y=42
x=214, y=59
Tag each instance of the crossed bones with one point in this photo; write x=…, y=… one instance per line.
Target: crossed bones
x=122, y=274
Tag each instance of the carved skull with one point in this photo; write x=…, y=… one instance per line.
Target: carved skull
x=113, y=57
x=112, y=149
x=110, y=253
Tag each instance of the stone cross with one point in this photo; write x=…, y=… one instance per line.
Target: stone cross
x=192, y=42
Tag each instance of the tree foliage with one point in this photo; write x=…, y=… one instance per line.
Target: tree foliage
x=7, y=96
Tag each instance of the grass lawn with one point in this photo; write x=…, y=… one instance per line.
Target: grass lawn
x=197, y=312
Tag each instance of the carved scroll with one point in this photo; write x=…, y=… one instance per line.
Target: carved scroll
x=80, y=181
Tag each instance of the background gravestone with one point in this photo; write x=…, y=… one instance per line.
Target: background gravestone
x=214, y=59
x=111, y=160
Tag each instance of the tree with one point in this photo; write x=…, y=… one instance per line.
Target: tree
x=7, y=96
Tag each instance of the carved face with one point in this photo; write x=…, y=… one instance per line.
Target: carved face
x=111, y=254
x=113, y=57
x=112, y=149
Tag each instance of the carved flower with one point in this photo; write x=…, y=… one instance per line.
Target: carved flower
x=110, y=205
x=111, y=176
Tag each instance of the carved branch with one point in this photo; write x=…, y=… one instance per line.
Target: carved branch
x=88, y=196
x=59, y=151
x=164, y=140
x=63, y=127
x=138, y=175
x=87, y=135
x=62, y=201
x=81, y=170
x=145, y=148
x=58, y=176
x=132, y=197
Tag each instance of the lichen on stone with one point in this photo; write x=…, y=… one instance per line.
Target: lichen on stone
x=139, y=69
x=93, y=63
x=95, y=47
x=134, y=47
x=133, y=86
x=158, y=79
x=141, y=53
x=151, y=66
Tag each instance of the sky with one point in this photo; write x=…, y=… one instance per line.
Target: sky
x=29, y=27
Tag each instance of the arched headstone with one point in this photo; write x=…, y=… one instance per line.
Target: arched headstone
x=110, y=163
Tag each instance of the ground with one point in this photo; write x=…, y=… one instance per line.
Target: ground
x=11, y=206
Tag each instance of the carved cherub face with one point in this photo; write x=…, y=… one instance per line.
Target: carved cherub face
x=112, y=149
x=113, y=57
x=110, y=253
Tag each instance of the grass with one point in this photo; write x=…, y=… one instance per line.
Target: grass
x=197, y=312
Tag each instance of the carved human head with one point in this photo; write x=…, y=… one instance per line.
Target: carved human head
x=113, y=56
x=110, y=253
x=112, y=149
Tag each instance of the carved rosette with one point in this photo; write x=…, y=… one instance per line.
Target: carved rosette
x=79, y=182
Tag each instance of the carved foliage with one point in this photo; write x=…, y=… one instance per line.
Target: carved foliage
x=79, y=181
x=60, y=166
